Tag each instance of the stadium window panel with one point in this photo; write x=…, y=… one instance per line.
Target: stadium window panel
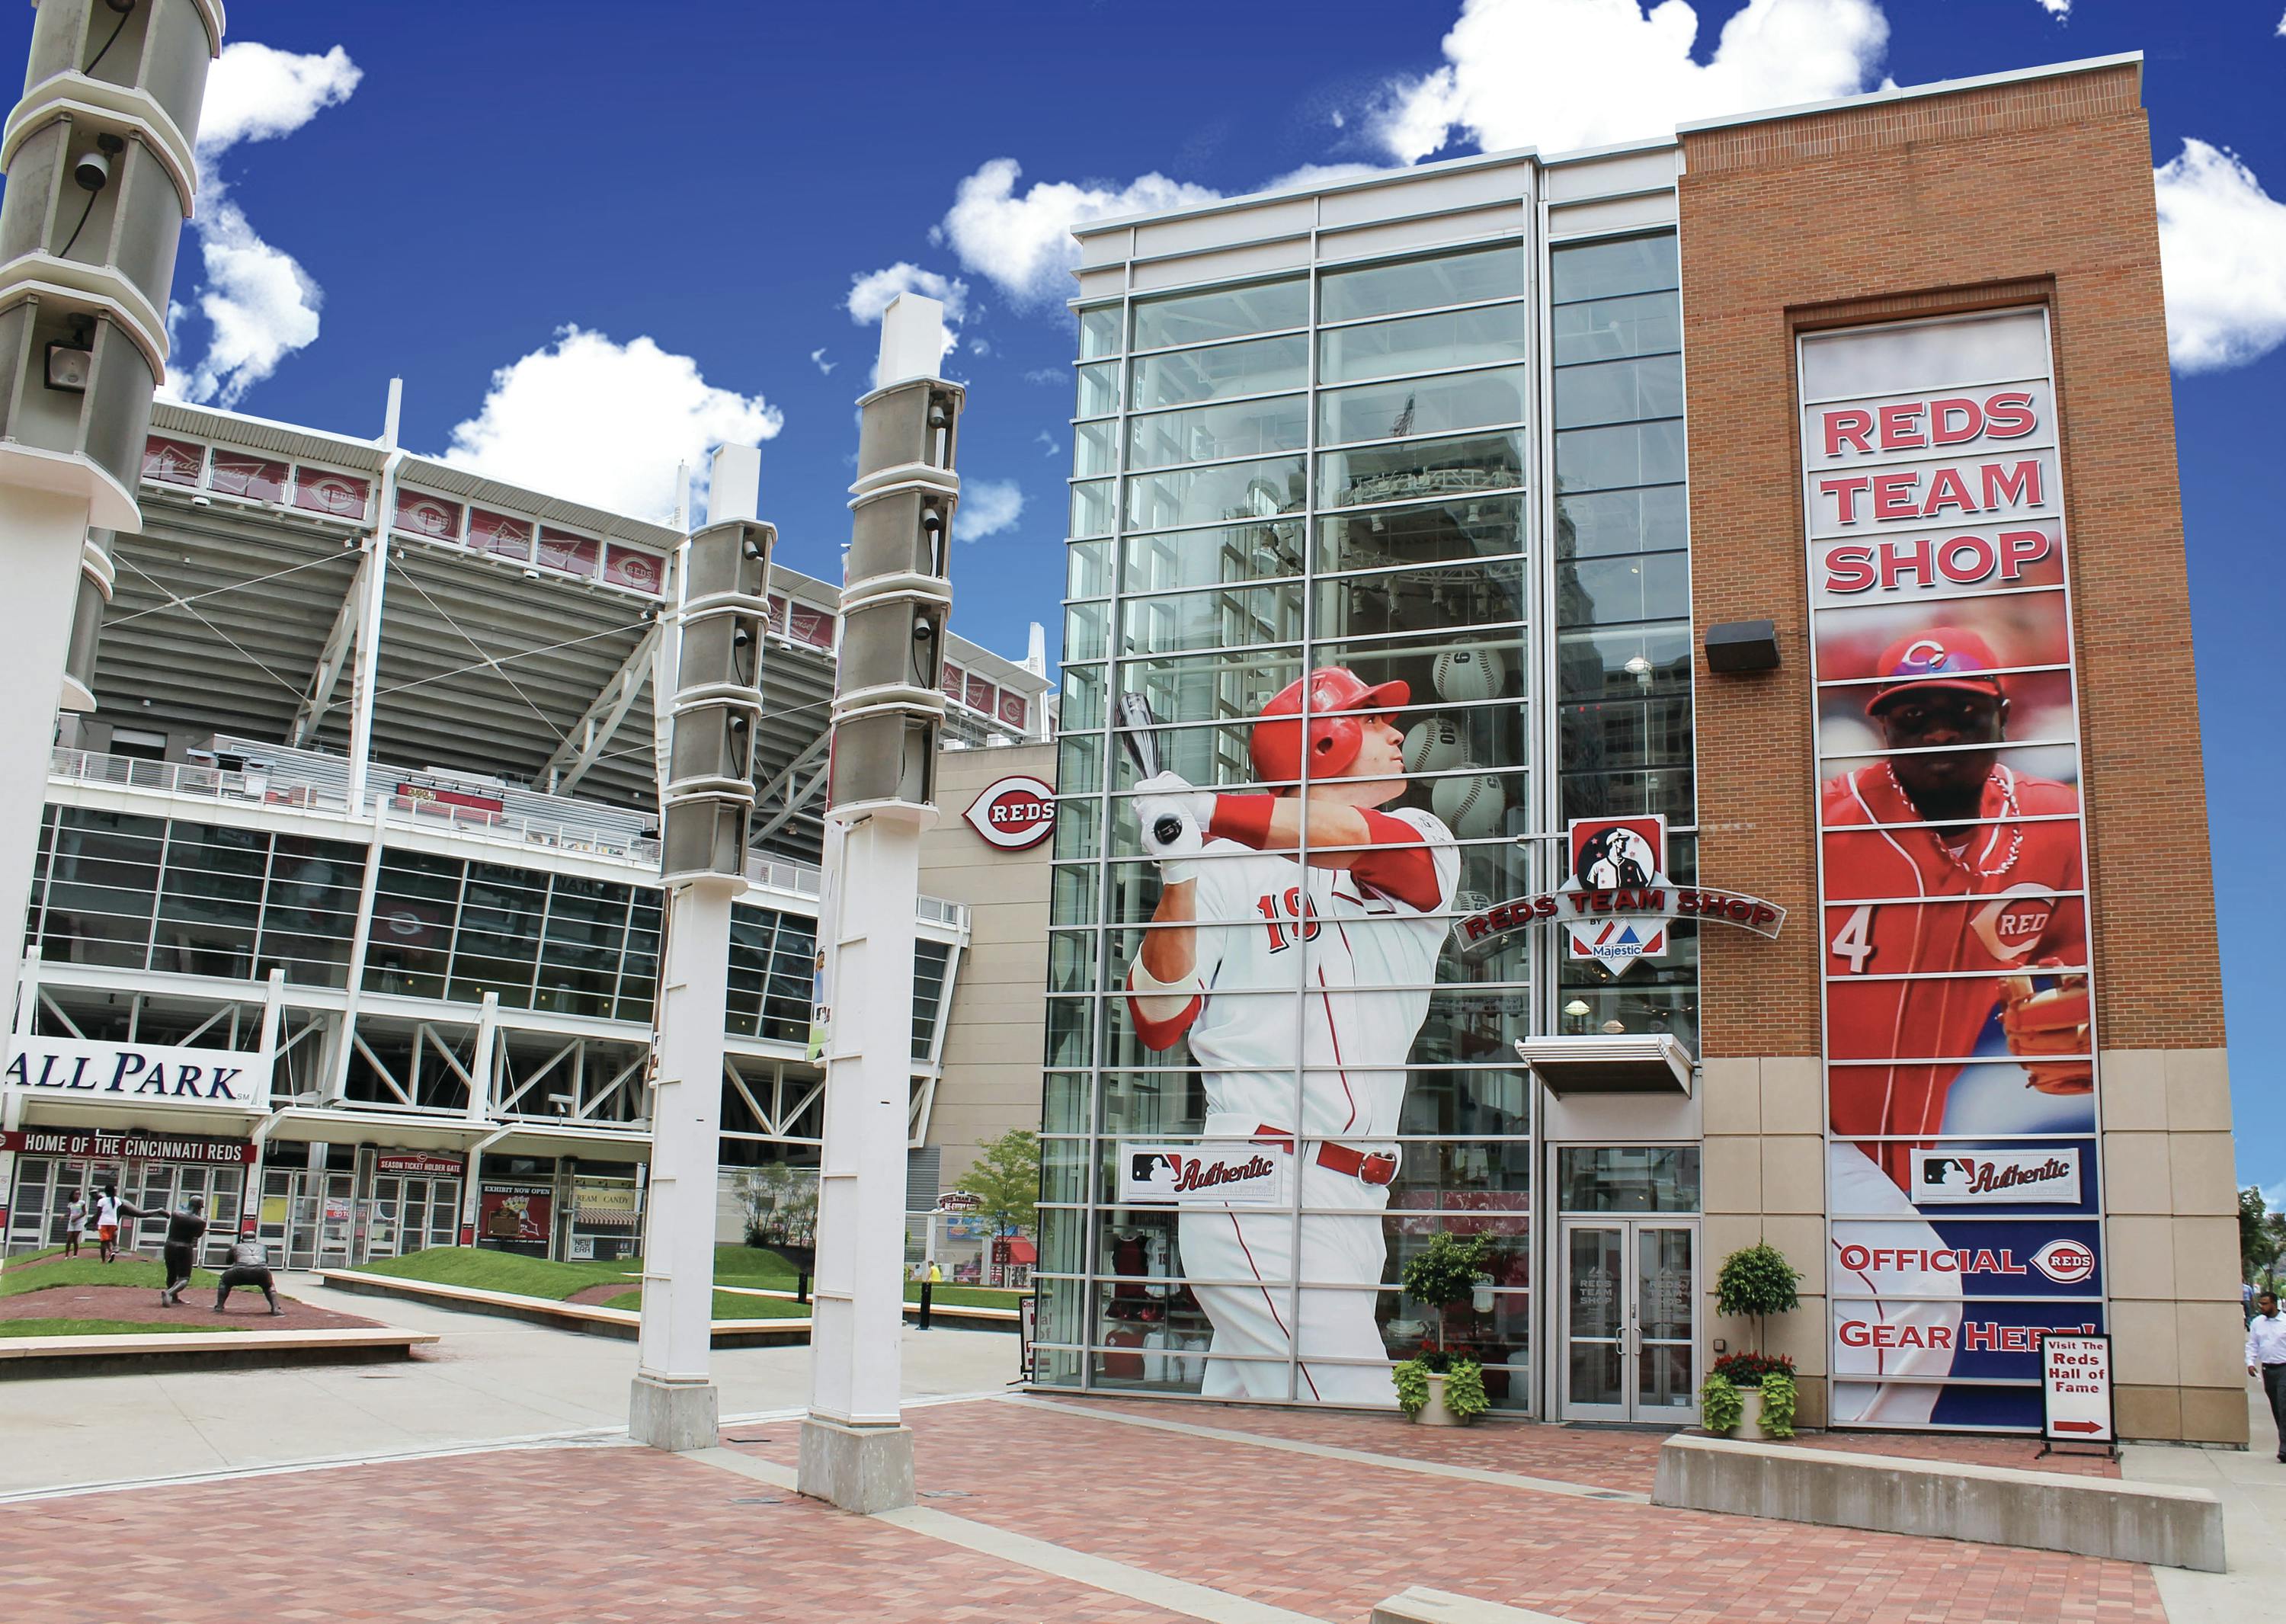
x=1424, y=344
x=1474, y=466
x=1221, y=492
x=1468, y=277
x=1211, y=557
x=1182, y=377
x=1612, y=267
x=1216, y=433
x=1221, y=312
x=1424, y=405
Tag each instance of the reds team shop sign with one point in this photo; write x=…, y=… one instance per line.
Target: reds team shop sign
x=1959, y=1050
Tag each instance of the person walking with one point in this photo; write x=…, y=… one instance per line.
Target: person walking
x=2265, y=1357
x=74, y=1221
x=107, y=1222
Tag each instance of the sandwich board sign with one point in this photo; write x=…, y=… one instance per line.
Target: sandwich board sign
x=2076, y=1390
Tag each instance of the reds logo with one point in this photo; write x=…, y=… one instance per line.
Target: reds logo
x=1013, y=814
x=2012, y=924
x=2065, y=1262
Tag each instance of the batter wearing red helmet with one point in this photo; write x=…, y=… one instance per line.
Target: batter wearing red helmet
x=1921, y=836
x=1356, y=922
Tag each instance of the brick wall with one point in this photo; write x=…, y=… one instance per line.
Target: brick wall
x=2037, y=192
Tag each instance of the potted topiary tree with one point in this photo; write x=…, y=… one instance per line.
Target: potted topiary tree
x=1758, y=1281
x=1436, y=1389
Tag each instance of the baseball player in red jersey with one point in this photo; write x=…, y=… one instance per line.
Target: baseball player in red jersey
x=1940, y=818
x=1358, y=928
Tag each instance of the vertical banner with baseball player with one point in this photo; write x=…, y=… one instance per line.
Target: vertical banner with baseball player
x=1962, y=1194
x=1303, y=644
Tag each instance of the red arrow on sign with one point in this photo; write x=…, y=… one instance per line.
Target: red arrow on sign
x=2080, y=1426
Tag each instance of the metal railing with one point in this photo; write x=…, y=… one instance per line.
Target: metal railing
x=268, y=786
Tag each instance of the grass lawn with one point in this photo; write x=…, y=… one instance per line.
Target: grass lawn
x=729, y=1306
x=484, y=1270
x=91, y=1272
x=967, y=1296
x=98, y=1327
x=21, y=1259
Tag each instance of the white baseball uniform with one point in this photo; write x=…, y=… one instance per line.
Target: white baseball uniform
x=1930, y=1318
x=1365, y=961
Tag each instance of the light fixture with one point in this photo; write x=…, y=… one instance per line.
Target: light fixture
x=71, y=361
x=1577, y=1008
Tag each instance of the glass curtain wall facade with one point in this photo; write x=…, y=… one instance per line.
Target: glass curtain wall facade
x=1351, y=469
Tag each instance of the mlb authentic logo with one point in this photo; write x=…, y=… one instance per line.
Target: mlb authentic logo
x=1991, y=1178
x=1242, y=1175
x=1625, y=860
x=1013, y=814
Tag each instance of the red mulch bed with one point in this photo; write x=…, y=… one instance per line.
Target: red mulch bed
x=595, y=1296
x=139, y=1305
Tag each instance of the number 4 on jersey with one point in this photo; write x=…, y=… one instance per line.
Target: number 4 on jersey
x=1854, y=940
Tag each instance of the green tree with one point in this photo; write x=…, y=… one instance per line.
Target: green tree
x=1007, y=1178
x=2261, y=1235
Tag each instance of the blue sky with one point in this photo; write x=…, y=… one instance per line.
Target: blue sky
x=438, y=191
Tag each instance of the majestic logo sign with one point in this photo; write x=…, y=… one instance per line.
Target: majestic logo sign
x=1013, y=814
x=1216, y=1175
x=1993, y=1176
x=143, y=1074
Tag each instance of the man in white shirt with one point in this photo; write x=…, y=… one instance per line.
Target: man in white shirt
x=106, y=1223
x=2265, y=1357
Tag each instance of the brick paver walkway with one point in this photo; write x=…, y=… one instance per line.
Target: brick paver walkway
x=623, y=1534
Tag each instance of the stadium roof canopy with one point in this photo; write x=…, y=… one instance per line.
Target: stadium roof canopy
x=517, y=629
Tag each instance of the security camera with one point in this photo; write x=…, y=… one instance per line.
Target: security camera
x=93, y=170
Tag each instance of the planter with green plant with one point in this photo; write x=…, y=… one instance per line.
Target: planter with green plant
x=1757, y=1281
x=1436, y=1389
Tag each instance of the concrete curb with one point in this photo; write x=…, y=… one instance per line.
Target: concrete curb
x=22, y=1358
x=1991, y=1505
x=580, y=1317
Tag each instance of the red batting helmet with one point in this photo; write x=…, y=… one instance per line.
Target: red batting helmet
x=1337, y=699
x=1942, y=656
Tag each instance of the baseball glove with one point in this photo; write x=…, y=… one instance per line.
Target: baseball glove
x=2053, y=1022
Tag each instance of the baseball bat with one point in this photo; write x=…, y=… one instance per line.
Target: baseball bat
x=1139, y=731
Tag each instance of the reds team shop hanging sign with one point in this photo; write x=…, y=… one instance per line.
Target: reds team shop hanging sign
x=1619, y=901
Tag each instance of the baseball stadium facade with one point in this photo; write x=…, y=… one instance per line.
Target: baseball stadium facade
x=1610, y=711
x=356, y=801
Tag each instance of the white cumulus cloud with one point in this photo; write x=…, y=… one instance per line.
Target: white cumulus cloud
x=2060, y=10
x=1564, y=74
x=258, y=93
x=259, y=304
x=870, y=294
x=605, y=423
x=818, y=360
x=2222, y=249
x=1021, y=242
x=987, y=507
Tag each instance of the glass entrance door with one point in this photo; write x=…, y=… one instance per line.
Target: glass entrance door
x=1629, y=1302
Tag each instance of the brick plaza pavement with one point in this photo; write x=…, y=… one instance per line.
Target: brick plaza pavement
x=1299, y=1516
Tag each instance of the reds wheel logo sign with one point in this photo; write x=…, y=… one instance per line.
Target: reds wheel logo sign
x=1013, y=814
